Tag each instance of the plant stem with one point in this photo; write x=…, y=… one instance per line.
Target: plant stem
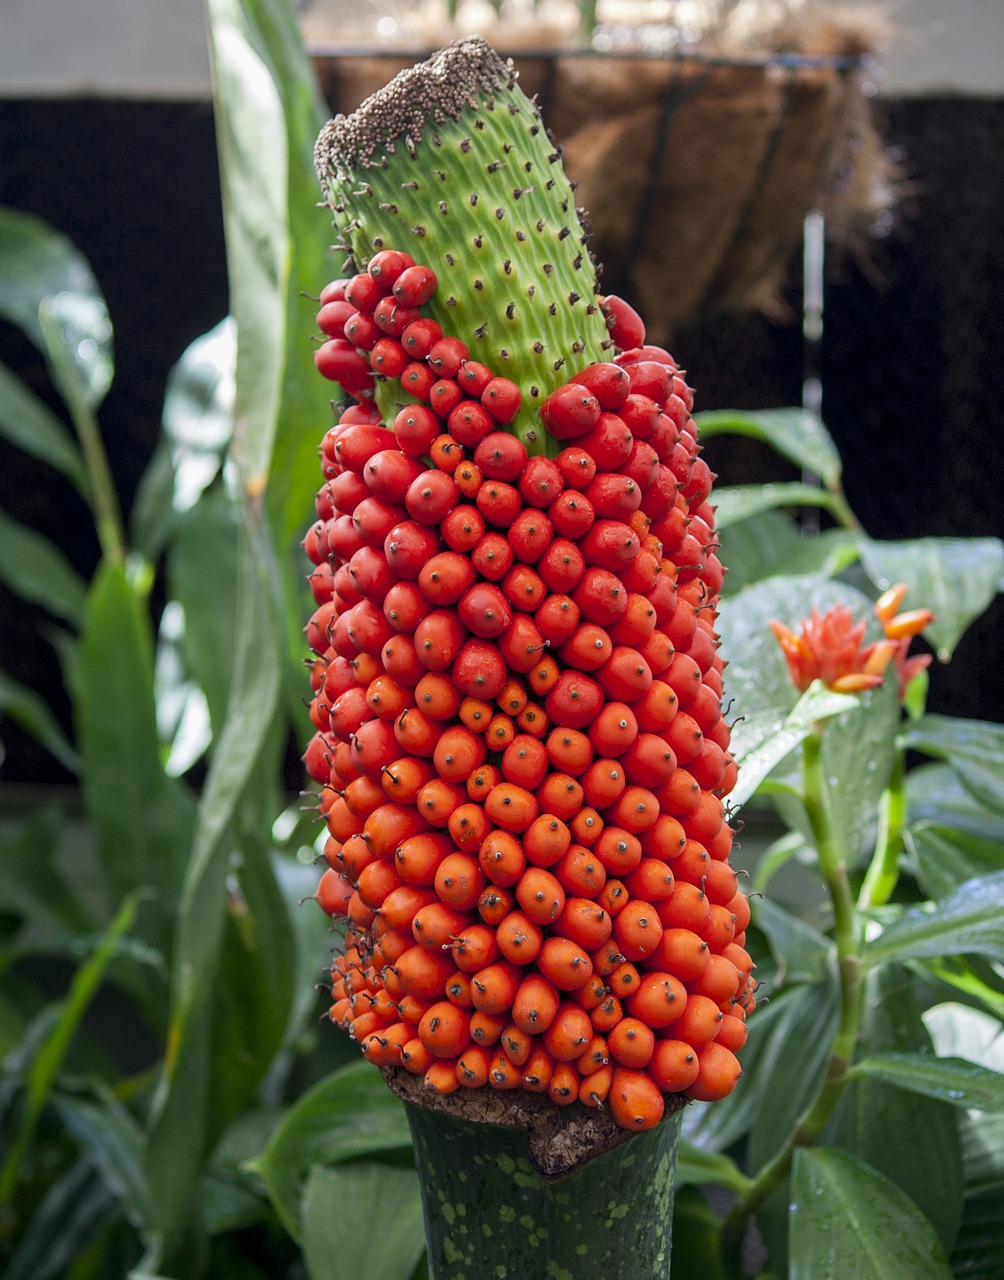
x=840, y=508
x=815, y=1118
x=883, y=873
x=104, y=501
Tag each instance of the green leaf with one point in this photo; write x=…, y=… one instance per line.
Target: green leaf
x=796, y=434
x=955, y=577
x=182, y=1127
x=755, y=548
x=343, y=1238
x=112, y=1141
x=198, y=414
x=77, y=335
x=944, y=857
x=936, y=794
x=705, y=1167
x=954, y=1080
x=877, y=1121
x=817, y=704
x=801, y=953
x=37, y=571
x=37, y=265
x=734, y=503
x=970, y=920
x=848, y=1220
x=29, y=424
x=142, y=819
x=958, y=1031
x=151, y=515
x=826, y=554
x=74, y=1211
x=52, y=1050
x=974, y=749
x=349, y=1114
x=31, y=712
x=30, y=882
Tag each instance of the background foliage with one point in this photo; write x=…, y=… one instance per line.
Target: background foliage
x=168, y=1106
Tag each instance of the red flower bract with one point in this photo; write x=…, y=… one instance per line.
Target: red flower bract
x=828, y=648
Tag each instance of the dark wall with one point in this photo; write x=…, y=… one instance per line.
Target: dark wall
x=910, y=363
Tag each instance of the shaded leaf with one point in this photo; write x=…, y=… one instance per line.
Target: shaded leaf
x=30, y=882
x=142, y=819
x=151, y=515
x=36, y=570
x=796, y=434
x=935, y=793
x=31, y=712
x=73, y=1212
x=954, y=1080
x=801, y=953
x=973, y=748
x=955, y=577
x=848, y=1220
x=944, y=857
x=755, y=548
x=734, y=503
x=349, y=1114
x=343, y=1238
x=112, y=1141
x=706, y=1167
x=969, y=920
x=826, y=554
x=29, y=424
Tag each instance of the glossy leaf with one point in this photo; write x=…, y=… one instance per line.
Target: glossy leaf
x=877, y=1121
x=801, y=953
x=825, y=554
x=351, y=1113
x=40, y=265
x=849, y=1221
x=344, y=1238
x=796, y=434
x=954, y=1080
x=198, y=411
x=936, y=794
x=26, y=708
x=142, y=819
x=734, y=503
x=959, y=1031
x=77, y=335
x=945, y=857
x=955, y=577
x=182, y=1125
x=36, y=570
x=754, y=548
x=29, y=424
x=974, y=749
x=970, y=920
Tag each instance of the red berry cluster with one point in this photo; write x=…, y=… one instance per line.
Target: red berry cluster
x=517, y=698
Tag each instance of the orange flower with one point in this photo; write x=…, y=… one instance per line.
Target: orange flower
x=901, y=628
x=828, y=648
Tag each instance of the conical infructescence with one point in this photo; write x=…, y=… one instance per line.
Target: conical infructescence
x=517, y=687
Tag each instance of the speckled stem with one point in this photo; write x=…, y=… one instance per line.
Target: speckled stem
x=451, y=162
x=490, y=1213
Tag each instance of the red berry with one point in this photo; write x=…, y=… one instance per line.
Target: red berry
x=446, y=355
x=624, y=323
x=387, y=265
x=420, y=337
x=500, y=456
x=415, y=285
x=570, y=411
x=502, y=398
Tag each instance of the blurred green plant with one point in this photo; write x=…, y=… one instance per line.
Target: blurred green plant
x=868, y=1127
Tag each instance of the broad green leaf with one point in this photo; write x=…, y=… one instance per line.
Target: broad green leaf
x=826, y=554
x=801, y=953
x=696, y=1232
x=37, y=571
x=342, y=1236
x=974, y=749
x=77, y=335
x=182, y=1127
x=936, y=794
x=198, y=413
x=755, y=548
x=251, y=138
x=349, y=1114
x=848, y=1221
x=31, y=885
x=954, y=1080
x=958, y=1031
x=27, y=422
x=738, y=502
x=955, y=577
x=877, y=1121
x=944, y=857
x=206, y=587
x=970, y=920
x=706, y=1167
x=112, y=1141
x=74, y=1211
x=151, y=515
x=817, y=704
x=52, y=1050
x=971, y=977
x=39, y=264
x=142, y=819
x=26, y=708
x=182, y=711
x=796, y=434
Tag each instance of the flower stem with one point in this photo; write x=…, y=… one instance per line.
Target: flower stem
x=104, y=501
x=815, y=1118
x=883, y=873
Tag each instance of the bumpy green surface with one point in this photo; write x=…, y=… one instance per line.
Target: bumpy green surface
x=452, y=163
x=488, y=1213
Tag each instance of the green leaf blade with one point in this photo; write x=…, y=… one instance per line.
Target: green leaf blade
x=29, y=424
x=37, y=571
x=954, y=1080
x=968, y=921
x=796, y=434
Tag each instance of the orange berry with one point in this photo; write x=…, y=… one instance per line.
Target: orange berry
x=634, y=1099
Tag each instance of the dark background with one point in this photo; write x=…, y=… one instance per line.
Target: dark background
x=910, y=359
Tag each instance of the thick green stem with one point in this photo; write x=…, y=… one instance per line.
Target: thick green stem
x=883, y=873
x=814, y=1119
x=490, y=1212
x=104, y=501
